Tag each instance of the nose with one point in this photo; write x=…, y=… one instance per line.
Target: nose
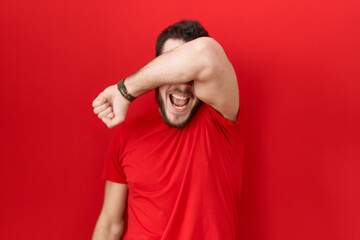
x=185, y=86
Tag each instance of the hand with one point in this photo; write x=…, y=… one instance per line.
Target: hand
x=110, y=106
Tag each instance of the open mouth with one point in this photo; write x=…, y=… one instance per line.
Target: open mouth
x=179, y=102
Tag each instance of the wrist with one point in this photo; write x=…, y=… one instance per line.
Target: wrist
x=124, y=91
x=133, y=87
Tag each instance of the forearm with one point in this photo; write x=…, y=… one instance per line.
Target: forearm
x=188, y=62
x=202, y=61
x=107, y=230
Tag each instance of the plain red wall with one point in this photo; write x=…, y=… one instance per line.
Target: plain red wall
x=298, y=68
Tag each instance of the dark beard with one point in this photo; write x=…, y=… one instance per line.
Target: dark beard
x=161, y=105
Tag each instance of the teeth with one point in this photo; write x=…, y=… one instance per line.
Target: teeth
x=179, y=97
x=182, y=107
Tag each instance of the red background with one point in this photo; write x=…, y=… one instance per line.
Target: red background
x=298, y=68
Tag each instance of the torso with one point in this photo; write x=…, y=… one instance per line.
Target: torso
x=183, y=183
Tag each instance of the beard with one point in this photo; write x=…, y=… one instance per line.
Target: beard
x=161, y=105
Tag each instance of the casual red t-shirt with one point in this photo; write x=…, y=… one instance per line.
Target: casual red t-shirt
x=184, y=183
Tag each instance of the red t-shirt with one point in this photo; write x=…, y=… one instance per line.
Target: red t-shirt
x=184, y=183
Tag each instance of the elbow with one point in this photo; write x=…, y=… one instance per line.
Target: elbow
x=117, y=229
x=210, y=55
x=106, y=229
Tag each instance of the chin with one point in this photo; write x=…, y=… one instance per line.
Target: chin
x=174, y=117
x=176, y=121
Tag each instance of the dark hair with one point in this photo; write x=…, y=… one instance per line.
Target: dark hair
x=186, y=30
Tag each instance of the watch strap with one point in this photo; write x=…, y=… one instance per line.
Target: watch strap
x=124, y=92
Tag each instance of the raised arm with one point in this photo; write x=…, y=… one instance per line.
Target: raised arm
x=202, y=60
x=110, y=224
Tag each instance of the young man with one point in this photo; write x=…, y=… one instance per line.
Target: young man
x=174, y=174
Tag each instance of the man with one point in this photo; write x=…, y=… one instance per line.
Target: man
x=175, y=173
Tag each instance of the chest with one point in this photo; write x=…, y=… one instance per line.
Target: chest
x=161, y=161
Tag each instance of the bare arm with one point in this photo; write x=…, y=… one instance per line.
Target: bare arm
x=110, y=224
x=202, y=60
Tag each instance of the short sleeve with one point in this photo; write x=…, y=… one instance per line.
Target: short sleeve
x=224, y=121
x=113, y=170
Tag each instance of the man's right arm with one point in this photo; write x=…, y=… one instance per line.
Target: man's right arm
x=110, y=224
x=202, y=61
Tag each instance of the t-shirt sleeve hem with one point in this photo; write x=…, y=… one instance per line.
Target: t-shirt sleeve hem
x=224, y=120
x=114, y=179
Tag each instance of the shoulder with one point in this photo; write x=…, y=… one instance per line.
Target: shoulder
x=212, y=116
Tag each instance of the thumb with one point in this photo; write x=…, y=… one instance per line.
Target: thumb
x=112, y=122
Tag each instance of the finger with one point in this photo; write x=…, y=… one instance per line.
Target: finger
x=107, y=121
x=101, y=108
x=111, y=115
x=105, y=112
x=99, y=100
x=112, y=122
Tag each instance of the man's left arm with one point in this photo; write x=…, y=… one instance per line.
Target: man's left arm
x=220, y=88
x=202, y=60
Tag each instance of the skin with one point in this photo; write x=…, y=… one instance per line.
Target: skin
x=201, y=61
x=110, y=224
x=173, y=116
x=198, y=71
